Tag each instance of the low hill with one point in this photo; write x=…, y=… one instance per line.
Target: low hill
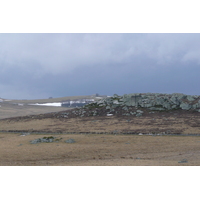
x=128, y=114
x=14, y=108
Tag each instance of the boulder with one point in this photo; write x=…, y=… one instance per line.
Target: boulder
x=185, y=106
x=45, y=140
x=190, y=98
x=139, y=111
x=70, y=141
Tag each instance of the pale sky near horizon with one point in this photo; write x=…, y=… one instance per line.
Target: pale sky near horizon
x=68, y=64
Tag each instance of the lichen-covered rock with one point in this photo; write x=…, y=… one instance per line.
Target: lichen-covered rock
x=45, y=140
x=125, y=108
x=129, y=103
x=108, y=107
x=185, y=106
x=139, y=111
x=70, y=141
x=190, y=98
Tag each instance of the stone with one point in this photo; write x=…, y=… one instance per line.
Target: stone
x=139, y=111
x=148, y=105
x=195, y=106
x=115, y=96
x=167, y=105
x=180, y=96
x=115, y=102
x=132, y=99
x=190, y=98
x=174, y=107
x=185, y=106
x=125, y=108
x=133, y=113
x=108, y=107
x=115, y=105
x=70, y=141
x=44, y=139
x=174, y=100
x=183, y=161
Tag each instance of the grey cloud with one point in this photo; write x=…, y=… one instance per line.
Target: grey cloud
x=58, y=52
x=42, y=65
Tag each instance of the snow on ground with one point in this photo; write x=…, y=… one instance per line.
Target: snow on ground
x=47, y=104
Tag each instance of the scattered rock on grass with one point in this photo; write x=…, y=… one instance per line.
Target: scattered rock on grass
x=45, y=139
x=70, y=141
x=183, y=161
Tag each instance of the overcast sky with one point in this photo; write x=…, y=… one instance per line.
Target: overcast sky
x=55, y=65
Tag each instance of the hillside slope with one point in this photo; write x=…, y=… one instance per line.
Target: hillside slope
x=14, y=108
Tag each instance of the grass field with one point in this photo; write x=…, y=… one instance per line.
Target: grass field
x=100, y=150
x=110, y=148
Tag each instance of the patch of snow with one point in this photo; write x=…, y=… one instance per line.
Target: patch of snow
x=109, y=114
x=47, y=104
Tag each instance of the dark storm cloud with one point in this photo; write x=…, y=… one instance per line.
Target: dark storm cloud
x=42, y=65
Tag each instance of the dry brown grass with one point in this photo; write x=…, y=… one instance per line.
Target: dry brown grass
x=98, y=150
x=12, y=109
x=102, y=149
x=106, y=124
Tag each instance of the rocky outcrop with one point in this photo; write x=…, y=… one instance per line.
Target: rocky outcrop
x=136, y=104
x=153, y=101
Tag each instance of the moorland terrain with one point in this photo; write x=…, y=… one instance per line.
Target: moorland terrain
x=159, y=137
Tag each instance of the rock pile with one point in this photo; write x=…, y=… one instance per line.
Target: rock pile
x=153, y=101
x=45, y=140
x=137, y=103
